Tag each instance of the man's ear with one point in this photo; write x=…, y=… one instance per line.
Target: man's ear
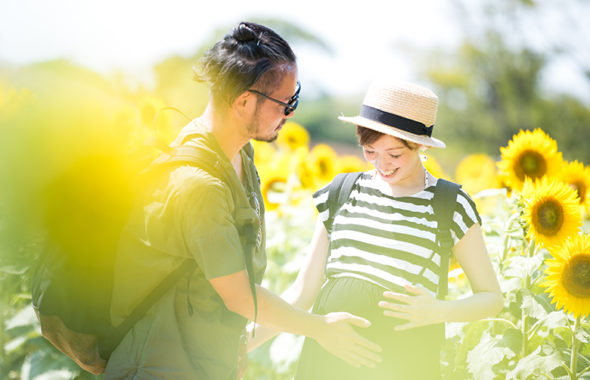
x=244, y=105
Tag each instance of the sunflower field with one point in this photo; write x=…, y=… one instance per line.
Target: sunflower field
x=534, y=207
x=62, y=152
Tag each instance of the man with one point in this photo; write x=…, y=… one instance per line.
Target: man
x=195, y=211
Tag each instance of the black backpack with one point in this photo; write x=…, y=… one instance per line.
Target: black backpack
x=443, y=203
x=71, y=288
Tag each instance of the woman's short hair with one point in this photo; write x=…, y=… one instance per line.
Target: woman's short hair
x=369, y=136
x=251, y=54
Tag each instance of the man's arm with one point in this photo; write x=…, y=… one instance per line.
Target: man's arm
x=304, y=290
x=332, y=331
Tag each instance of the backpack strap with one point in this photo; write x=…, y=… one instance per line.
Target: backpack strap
x=158, y=292
x=339, y=190
x=244, y=216
x=443, y=204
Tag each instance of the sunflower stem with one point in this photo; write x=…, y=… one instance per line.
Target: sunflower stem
x=574, y=353
x=504, y=253
x=567, y=369
x=584, y=371
x=525, y=338
x=524, y=317
x=503, y=321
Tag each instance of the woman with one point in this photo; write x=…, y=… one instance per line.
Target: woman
x=375, y=248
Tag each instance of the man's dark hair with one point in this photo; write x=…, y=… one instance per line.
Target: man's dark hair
x=251, y=54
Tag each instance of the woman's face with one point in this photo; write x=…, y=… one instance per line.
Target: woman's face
x=394, y=161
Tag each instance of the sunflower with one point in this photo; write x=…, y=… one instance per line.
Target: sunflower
x=13, y=101
x=529, y=155
x=323, y=161
x=477, y=172
x=456, y=274
x=264, y=153
x=431, y=164
x=274, y=184
x=293, y=136
x=551, y=211
x=303, y=169
x=157, y=118
x=577, y=176
x=350, y=163
x=568, y=276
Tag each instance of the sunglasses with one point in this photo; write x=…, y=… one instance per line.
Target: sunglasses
x=290, y=106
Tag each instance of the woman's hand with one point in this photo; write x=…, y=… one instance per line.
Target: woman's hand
x=338, y=337
x=419, y=309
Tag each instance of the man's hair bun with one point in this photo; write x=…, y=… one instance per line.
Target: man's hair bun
x=244, y=33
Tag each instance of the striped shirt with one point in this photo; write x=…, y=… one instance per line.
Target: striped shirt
x=387, y=240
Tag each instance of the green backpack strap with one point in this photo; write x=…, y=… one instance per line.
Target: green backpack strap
x=443, y=204
x=339, y=191
x=245, y=217
x=112, y=341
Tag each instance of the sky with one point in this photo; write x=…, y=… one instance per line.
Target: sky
x=132, y=35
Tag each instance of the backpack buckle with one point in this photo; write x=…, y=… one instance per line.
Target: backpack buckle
x=445, y=240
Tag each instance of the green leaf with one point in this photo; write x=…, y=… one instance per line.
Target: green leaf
x=473, y=332
x=284, y=351
x=565, y=333
x=509, y=285
x=520, y=266
x=493, y=353
x=45, y=365
x=583, y=336
x=535, y=364
x=532, y=308
x=25, y=317
x=543, y=300
x=554, y=320
x=13, y=269
x=511, y=339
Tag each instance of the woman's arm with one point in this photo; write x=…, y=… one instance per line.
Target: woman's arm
x=422, y=308
x=304, y=290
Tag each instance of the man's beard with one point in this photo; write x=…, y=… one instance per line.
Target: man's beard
x=254, y=126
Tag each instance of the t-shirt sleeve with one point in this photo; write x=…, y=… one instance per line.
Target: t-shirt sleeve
x=465, y=216
x=209, y=230
x=320, y=199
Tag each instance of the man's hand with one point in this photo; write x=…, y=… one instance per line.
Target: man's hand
x=338, y=337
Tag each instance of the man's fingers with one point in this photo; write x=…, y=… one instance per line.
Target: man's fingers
x=359, y=358
x=404, y=327
x=347, y=356
x=393, y=306
x=396, y=314
x=357, y=321
x=364, y=361
x=368, y=355
x=364, y=342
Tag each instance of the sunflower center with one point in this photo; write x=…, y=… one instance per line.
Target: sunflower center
x=324, y=167
x=580, y=189
x=576, y=276
x=531, y=164
x=548, y=217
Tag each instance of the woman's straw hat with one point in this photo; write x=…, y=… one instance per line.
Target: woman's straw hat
x=399, y=109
